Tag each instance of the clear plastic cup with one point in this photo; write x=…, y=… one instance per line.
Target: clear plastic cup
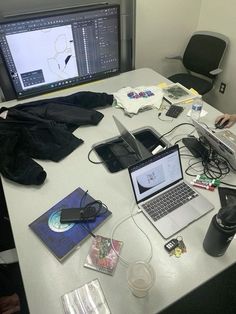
x=141, y=277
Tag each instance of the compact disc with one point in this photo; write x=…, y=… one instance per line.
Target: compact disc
x=55, y=224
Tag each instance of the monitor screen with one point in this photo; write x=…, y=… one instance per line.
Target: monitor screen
x=61, y=49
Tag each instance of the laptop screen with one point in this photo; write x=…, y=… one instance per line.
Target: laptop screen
x=127, y=136
x=156, y=173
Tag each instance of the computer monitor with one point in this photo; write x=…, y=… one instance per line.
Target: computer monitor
x=59, y=49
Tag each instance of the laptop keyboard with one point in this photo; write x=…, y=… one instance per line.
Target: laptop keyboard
x=165, y=203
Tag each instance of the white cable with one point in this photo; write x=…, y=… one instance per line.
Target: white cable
x=149, y=240
x=125, y=261
x=113, y=231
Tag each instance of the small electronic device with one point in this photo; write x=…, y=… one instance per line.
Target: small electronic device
x=78, y=214
x=171, y=245
x=174, y=111
x=196, y=147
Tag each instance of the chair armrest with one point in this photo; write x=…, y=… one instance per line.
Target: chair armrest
x=174, y=57
x=216, y=71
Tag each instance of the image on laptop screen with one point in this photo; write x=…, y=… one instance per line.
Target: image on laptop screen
x=156, y=174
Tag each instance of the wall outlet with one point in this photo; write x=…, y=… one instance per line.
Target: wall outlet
x=222, y=88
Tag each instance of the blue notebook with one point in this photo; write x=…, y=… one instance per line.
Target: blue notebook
x=62, y=239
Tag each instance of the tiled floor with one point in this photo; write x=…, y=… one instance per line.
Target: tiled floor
x=15, y=276
x=12, y=271
x=217, y=296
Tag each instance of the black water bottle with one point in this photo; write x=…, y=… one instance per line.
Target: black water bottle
x=218, y=237
x=221, y=231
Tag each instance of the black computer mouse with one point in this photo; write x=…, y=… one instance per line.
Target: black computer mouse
x=218, y=125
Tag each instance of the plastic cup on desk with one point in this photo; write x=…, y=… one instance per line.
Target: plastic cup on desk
x=141, y=278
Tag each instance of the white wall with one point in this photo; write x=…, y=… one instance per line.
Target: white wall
x=163, y=28
x=220, y=16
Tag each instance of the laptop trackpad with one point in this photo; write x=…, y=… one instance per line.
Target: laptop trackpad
x=166, y=226
x=184, y=215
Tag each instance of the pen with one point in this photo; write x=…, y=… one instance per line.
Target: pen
x=203, y=186
x=204, y=178
x=204, y=182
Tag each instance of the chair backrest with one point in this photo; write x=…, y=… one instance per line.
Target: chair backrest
x=205, y=52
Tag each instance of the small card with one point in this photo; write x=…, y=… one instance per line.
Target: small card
x=176, y=93
x=101, y=256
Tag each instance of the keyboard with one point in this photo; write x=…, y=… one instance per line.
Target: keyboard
x=165, y=203
x=174, y=111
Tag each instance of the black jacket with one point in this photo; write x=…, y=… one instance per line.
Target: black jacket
x=43, y=130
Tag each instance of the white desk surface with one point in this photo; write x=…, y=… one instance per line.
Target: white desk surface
x=46, y=279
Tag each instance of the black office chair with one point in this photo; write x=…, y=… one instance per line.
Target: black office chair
x=201, y=59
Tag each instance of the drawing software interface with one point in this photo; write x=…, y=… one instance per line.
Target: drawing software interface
x=155, y=174
x=61, y=50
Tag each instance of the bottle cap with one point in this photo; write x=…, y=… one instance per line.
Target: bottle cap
x=226, y=216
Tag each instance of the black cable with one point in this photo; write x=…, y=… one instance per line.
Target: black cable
x=167, y=120
x=190, y=166
x=87, y=229
x=83, y=197
x=185, y=155
x=184, y=123
x=100, y=210
x=214, y=167
x=178, y=142
x=101, y=207
x=94, y=162
x=107, y=160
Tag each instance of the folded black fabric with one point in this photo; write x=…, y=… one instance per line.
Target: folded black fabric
x=74, y=110
x=48, y=141
x=43, y=130
x=87, y=100
x=24, y=170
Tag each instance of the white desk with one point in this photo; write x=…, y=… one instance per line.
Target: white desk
x=46, y=279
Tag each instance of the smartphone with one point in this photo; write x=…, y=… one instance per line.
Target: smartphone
x=78, y=214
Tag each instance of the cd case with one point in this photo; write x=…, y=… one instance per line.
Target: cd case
x=101, y=256
x=87, y=299
x=176, y=93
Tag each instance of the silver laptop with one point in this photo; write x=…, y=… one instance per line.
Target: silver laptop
x=223, y=142
x=162, y=194
x=129, y=138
